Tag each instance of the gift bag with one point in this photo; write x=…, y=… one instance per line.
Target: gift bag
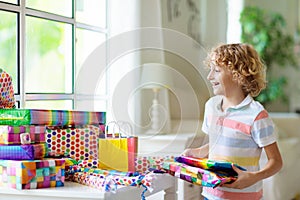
x=117, y=150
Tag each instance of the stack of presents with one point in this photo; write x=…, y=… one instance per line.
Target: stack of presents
x=45, y=148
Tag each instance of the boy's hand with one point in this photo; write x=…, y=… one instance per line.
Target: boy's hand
x=187, y=152
x=245, y=179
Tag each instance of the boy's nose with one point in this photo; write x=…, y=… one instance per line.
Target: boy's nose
x=209, y=76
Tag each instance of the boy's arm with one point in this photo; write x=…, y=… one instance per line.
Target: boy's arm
x=201, y=152
x=274, y=164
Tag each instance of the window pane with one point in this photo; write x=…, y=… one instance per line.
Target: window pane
x=96, y=105
x=8, y=52
x=61, y=7
x=92, y=12
x=48, y=56
x=86, y=42
x=50, y=104
x=11, y=1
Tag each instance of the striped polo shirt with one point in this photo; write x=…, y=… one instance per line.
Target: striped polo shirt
x=237, y=135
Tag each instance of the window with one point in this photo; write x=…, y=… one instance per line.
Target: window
x=44, y=45
x=234, y=9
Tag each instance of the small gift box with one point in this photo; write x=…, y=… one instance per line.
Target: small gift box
x=23, y=152
x=80, y=143
x=33, y=174
x=23, y=134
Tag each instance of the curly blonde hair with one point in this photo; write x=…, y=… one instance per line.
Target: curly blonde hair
x=244, y=63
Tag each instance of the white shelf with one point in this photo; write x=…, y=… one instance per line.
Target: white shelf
x=74, y=191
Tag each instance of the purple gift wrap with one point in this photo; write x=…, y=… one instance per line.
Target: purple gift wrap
x=23, y=152
x=17, y=134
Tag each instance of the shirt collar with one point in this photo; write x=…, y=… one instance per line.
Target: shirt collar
x=245, y=102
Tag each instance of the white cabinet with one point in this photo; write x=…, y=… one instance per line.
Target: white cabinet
x=188, y=191
x=173, y=144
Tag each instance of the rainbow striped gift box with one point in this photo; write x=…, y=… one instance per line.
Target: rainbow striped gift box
x=50, y=117
x=32, y=174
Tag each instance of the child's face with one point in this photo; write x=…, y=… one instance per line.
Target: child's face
x=222, y=81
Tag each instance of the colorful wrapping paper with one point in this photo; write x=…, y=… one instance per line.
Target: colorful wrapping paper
x=220, y=167
x=196, y=175
x=32, y=174
x=15, y=117
x=23, y=152
x=50, y=117
x=145, y=164
x=108, y=183
x=7, y=97
x=109, y=180
x=79, y=143
x=16, y=134
x=88, y=163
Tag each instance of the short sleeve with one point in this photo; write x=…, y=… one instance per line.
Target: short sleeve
x=205, y=125
x=263, y=129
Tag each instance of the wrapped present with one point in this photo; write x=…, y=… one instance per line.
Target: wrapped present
x=80, y=143
x=88, y=163
x=197, y=175
x=50, y=117
x=145, y=164
x=22, y=134
x=109, y=180
x=39, y=133
x=33, y=174
x=7, y=96
x=220, y=167
x=15, y=117
x=23, y=152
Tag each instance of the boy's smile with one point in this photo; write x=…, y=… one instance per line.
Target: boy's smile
x=221, y=80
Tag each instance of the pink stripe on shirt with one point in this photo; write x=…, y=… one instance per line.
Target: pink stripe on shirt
x=245, y=128
x=263, y=114
x=233, y=195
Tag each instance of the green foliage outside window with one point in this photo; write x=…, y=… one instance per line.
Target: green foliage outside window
x=266, y=32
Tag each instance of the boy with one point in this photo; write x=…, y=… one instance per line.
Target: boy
x=238, y=126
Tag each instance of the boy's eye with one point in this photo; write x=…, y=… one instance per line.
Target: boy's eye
x=217, y=70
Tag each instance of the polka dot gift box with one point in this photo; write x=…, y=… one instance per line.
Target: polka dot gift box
x=7, y=98
x=79, y=143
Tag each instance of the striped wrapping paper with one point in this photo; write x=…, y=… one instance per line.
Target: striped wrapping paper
x=220, y=167
x=13, y=134
x=50, y=117
x=32, y=174
x=23, y=152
